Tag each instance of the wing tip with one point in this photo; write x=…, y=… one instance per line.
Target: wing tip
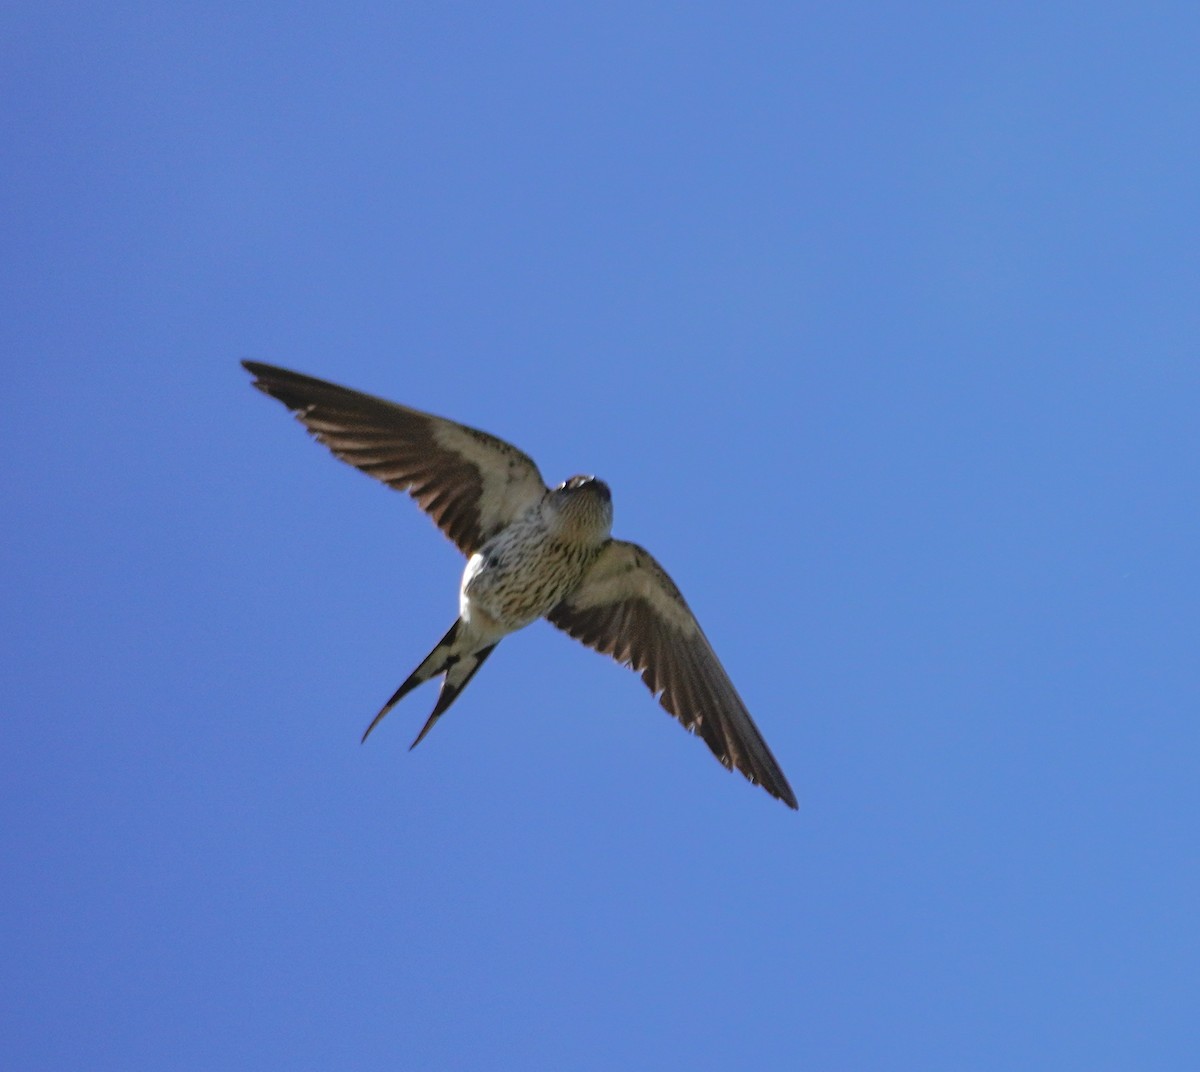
x=283, y=384
x=262, y=372
x=784, y=793
x=772, y=782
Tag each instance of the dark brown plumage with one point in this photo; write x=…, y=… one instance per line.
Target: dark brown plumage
x=532, y=552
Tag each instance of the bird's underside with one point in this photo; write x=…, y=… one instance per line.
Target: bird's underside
x=545, y=550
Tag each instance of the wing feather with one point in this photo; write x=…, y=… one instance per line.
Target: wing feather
x=471, y=483
x=628, y=607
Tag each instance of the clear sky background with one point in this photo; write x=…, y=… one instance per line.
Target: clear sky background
x=882, y=322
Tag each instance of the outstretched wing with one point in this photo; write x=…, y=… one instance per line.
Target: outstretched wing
x=628, y=607
x=471, y=483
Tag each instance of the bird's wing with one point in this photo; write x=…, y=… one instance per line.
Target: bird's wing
x=628, y=607
x=471, y=483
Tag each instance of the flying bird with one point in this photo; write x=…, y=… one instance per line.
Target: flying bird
x=532, y=552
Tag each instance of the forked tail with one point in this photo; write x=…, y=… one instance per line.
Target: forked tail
x=456, y=662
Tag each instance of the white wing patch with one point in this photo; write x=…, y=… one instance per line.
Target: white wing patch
x=623, y=572
x=508, y=484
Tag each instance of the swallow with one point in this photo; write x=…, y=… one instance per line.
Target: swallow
x=532, y=552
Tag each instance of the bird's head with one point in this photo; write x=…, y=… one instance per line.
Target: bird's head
x=584, y=505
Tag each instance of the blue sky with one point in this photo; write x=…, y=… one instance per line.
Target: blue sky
x=880, y=320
